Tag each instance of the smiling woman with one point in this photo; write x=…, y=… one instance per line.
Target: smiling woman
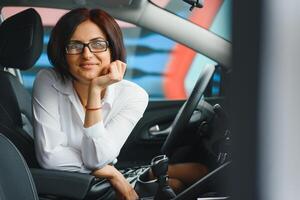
x=82, y=64
x=83, y=109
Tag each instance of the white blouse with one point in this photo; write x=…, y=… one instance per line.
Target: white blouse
x=61, y=141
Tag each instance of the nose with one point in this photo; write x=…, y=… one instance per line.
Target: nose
x=86, y=53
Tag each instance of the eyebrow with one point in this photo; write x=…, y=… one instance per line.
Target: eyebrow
x=97, y=38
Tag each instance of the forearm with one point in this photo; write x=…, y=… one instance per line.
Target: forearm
x=108, y=171
x=117, y=180
x=113, y=73
x=94, y=102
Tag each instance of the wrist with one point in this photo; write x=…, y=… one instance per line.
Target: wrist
x=95, y=86
x=114, y=173
x=94, y=98
x=95, y=89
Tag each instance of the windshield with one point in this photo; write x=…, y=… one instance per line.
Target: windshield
x=151, y=57
x=215, y=15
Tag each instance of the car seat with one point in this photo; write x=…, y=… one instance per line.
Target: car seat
x=14, y=174
x=21, y=43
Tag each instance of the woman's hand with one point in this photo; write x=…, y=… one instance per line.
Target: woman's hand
x=110, y=74
x=123, y=189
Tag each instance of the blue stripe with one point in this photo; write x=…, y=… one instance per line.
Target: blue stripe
x=43, y=61
x=215, y=91
x=217, y=77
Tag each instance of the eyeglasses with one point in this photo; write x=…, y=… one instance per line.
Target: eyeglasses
x=95, y=46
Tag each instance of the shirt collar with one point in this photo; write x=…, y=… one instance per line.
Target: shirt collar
x=64, y=87
x=67, y=89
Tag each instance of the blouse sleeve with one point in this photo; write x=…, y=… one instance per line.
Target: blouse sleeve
x=102, y=144
x=51, y=144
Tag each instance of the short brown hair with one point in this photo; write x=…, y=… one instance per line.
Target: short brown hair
x=67, y=24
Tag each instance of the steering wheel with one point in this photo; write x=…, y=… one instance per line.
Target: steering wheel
x=182, y=118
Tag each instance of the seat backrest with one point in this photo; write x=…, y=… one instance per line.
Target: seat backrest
x=16, y=181
x=21, y=44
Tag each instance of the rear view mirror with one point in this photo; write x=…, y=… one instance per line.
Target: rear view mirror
x=194, y=3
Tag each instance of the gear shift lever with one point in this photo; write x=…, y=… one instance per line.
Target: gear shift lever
x=159, y=167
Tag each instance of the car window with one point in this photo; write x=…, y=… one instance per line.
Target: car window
x=165, y=69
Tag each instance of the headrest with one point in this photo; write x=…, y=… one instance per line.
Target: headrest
x=21, y=40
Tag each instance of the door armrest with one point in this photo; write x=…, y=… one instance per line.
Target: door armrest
x=68, y=184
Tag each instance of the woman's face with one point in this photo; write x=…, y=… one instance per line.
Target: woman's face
x=87, y=65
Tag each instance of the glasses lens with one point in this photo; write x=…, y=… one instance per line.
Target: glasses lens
x=74, y=48
x=98, y=45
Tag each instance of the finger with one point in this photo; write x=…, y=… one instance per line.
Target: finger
x=121, y=68
x=104, y=71
x=114, y=71
x=134, y=195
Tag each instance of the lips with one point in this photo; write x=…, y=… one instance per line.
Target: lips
x=87, y=65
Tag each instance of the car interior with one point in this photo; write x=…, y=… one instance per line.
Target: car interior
x=206, y=121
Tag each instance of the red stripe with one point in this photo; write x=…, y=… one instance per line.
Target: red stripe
x=182, y=57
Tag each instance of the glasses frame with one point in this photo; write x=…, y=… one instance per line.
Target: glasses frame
x=88, y=46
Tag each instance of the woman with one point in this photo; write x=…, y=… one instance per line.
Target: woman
x=83, y=109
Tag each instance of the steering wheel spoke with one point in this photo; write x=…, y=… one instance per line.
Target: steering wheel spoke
x=183, y=116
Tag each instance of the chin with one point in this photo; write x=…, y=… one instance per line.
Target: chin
x=89, y=76
x=89, y=79
x=84, y=80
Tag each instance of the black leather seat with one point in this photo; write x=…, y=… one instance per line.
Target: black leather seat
x=16, y=181
x=21, y=43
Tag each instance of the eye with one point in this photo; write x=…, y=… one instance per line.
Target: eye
x=98, y=44
x=74, y=45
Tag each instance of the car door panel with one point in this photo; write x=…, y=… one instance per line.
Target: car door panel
x=142, y=146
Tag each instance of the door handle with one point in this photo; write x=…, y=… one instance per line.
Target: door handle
x=154, y=128
x=154, y=131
